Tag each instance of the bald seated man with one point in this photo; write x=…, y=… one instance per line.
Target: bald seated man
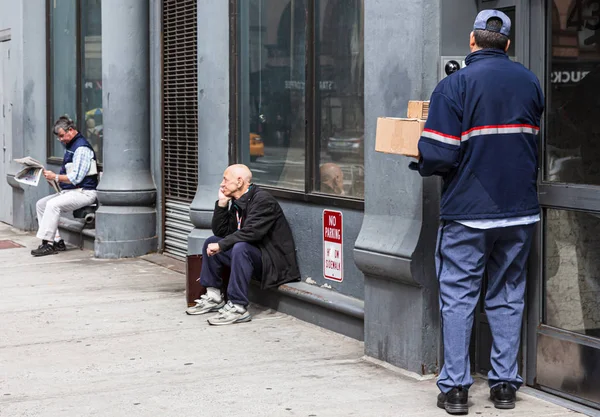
x=332, y=179
x=253, y=238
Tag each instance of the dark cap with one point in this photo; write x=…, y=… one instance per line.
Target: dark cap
x=485, y=15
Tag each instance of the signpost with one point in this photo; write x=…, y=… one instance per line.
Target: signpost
x=333, y=263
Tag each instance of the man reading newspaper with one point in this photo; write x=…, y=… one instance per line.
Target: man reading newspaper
x=77, y=180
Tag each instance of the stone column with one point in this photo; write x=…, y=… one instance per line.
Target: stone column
x=213, y=116
x=396, y=243
x=126, y=219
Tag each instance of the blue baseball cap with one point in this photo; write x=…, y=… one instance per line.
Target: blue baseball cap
x=485, y=15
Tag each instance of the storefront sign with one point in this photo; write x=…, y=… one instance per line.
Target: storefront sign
x=333, y=264
x=299, y=85
x=568, y=77
x=566, y=73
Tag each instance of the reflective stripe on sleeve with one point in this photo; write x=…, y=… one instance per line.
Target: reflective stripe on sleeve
x=499, y=130
x=441, y=137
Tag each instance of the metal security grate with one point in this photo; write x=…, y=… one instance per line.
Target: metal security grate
x=180, y=123
x=177, y=228
x=180, y=99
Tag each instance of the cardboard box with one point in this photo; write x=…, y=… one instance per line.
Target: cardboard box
x=417, y=109
x=398, y=136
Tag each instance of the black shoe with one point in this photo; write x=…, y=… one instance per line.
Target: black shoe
x=503, y=396
x=60, y=246
x=44, y=249
x=454, y=402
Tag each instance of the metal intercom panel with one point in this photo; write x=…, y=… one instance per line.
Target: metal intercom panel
x=450, y=64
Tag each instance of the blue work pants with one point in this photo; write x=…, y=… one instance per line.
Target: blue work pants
x=463, y=255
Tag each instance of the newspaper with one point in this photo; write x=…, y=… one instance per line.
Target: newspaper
x=32, y=172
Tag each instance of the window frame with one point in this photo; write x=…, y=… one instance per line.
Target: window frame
x=79, y=47
x=312, y=105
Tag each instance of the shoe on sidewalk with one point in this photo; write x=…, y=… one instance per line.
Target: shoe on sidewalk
x=454, y=402
x=207, y=303
x=60, y=246
x=230, y=314
x=503, y=396
x=44, y=249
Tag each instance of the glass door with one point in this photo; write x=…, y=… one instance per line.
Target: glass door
x=565, y=351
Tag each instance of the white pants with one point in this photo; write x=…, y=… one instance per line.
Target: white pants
x=49, y=209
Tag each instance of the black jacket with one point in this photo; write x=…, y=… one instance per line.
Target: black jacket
x=263, y=225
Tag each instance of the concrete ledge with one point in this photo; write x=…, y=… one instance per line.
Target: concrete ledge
x=70, y=231
x=10, y=179
x=325, y=298
x=325, y=308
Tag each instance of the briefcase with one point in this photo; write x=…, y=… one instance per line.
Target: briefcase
x=193, y=289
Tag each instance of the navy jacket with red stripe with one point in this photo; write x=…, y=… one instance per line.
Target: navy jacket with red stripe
x=481, y=137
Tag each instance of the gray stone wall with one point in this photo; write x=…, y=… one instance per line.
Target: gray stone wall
x=27, y=70
x=213, y=115
x=396, y=243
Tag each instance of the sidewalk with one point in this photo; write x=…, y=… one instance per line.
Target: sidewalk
x=86, y=337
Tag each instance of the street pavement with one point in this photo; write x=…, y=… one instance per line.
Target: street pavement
x=86, y=337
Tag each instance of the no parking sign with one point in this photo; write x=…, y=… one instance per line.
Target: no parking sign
x=333, y=264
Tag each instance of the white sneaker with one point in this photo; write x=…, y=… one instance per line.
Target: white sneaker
x=230, y=314
x=206, y=304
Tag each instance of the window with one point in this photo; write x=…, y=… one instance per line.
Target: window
x=573, y=133
x=300, y=91
x=75, y=70
x=572, y=286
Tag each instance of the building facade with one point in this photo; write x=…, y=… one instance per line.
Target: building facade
x=169, y=92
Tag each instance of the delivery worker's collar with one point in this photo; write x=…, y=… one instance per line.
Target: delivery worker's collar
x=485, y=53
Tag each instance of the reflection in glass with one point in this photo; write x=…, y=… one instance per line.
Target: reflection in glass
x=573, y=134
x=273, y=88
x=91, y=73
x=340, y=97
x=572, y=274
x=274, y=33
x=63, y=50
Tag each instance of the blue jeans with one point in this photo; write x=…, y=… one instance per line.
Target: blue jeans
x=462, y=256
x=245, y=262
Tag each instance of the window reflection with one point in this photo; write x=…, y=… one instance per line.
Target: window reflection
x=572, y=276
x=63, y=49
x=65, y=44
x=573, y=134
x=273, y=89
x=276, y=61
x=340, y=96
x=91, y=74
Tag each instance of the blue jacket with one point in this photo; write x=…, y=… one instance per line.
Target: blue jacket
x=90, y=182
x=481, y=137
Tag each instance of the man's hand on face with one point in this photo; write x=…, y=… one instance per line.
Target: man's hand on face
x=213, y=249
x=223, y=199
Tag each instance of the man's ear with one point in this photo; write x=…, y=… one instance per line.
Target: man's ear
x=507, y=46
x=472, y=43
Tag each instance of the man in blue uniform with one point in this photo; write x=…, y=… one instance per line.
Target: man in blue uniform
x=77, y=180
x=481, y=137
